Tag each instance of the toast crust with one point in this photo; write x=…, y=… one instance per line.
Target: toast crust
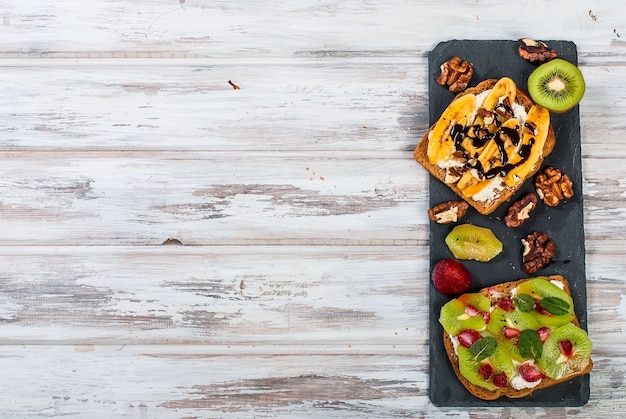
x=485, y=207
x=482, y=393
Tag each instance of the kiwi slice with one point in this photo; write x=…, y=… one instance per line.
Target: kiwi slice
x=467, y=241
x=454, y=319
x=539, y=289
x=476, y=300
x=501, y=319
x=502, y=362
x=557, y=85
x=469, y=366
x=565, y=351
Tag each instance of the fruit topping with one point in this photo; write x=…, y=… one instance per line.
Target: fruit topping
x=557, y=85
x=443, y=137
x=506, y=304
x=539, y=289
x=530, y=373
x=543, y=333
x=510, y=333
x=485, y=370
x=517, y=338
x=454, y=318
x=468, y=336
x=468, y=241
x=450, y=276
x=566, y=350
x=538, y=250
x=500, y=379
x=456, y=74
x=553, y=186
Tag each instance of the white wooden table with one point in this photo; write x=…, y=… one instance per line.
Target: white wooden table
x=173, y=246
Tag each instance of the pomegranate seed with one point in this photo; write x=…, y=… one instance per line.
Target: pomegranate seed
x=468, y=336
x=485, y=370
x=506, y=304
x=511, y=333
x=471, y=310
x=530, y=373
x=486, y=316
x=543, y=332
x=566, y=347
x=499, y=379
x=541, y=309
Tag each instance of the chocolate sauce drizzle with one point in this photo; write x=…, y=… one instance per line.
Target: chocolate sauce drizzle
x=481, y=135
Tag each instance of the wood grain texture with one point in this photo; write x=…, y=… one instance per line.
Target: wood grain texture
x=173, y=247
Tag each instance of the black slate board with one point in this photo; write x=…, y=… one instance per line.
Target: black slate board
x=563, y=224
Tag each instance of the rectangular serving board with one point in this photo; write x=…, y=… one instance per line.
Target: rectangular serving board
x=563, y=224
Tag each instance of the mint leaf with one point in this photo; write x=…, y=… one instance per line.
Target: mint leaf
x=555, y=306
x=529, y=344
x=483, y=348
x=524, y=302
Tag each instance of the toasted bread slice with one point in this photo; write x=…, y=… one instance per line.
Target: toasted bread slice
x=486, y=190
x=495, y=293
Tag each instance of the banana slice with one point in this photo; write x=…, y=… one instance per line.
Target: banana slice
x=440, y=142
x=504, y=87
x=535, y=141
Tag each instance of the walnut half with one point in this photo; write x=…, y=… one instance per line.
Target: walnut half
x=456, y=74
x=553, y=186
x=537, y=253
x=519, y=212
x=448, y=212
x=535, y=51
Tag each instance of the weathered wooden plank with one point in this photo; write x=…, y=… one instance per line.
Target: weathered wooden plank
x=299, y=104
x=293, y=296
x=230, y=198
x=184, y=381
x=157, y=28
x=213, y=295
x=307, y=105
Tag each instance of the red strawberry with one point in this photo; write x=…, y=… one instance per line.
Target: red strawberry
x=543, y=332
x=511, y=333
x=485, y=370
x=449, y=276
x=499, y=379
x=506, y=304
x=468, y=336
x=471, y=311
x=530, y=373
x=566, y=348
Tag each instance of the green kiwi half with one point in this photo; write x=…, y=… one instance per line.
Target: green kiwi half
x=557, y=85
